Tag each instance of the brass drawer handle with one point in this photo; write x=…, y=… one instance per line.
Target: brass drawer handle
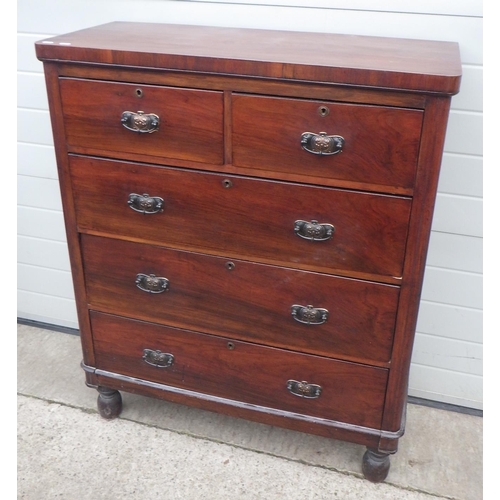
x=313, y=230
x=322, y=144
x=309, y=315
x=145, y=204
x=303, y=389
x=151, y=284
x=158, y=358
x=143, y=123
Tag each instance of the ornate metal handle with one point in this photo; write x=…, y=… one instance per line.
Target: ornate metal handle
x=145, y=204
x=309, y=315
x=158, y=358
x=303, y=389
x=322, y=144
x=143, y=123
x=313, y=230
x=151, y=284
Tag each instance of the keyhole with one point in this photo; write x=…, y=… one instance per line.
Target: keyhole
x=323, y=111
x=227, y=183
x=230, y=266
x=139, y=92
x=230, y=346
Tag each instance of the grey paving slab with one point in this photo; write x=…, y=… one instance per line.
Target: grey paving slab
x=441, y=453
x=69, y=454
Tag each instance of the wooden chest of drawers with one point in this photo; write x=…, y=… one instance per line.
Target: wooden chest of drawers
x=248, y=215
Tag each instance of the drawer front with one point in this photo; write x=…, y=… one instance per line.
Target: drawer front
x=190, y=122
x=379, y=144
x=250, y=219
x=240, y=371
x=254, y=302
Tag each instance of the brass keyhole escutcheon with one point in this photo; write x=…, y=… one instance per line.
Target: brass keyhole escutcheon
x=230, y=346
x=227, y=183
x=230, y=266
x=323, y=111
x=139, y=93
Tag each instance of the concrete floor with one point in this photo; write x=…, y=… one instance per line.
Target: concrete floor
x=159, y=450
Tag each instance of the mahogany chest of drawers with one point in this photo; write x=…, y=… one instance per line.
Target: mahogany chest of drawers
x=248, y=214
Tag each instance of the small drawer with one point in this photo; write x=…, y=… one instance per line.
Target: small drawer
x=147, y=120
x=264, y=376
x=372, y=145
x=267, y=221
x=299, y=310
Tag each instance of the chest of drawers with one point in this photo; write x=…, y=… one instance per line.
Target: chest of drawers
x=248, y=214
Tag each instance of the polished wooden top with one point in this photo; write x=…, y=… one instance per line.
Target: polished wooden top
x=417, y=65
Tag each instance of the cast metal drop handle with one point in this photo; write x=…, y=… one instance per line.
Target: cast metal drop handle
x=151, y=284
x=140, y=122
x=322, y=143
x=313, y=230
x=304, y=389
x=145, y=204
x=158, y=358
x=309, y=315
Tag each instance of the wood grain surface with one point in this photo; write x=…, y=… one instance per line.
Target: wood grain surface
x=419, y=65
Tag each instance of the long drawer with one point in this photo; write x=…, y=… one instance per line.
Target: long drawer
x=300, y=310
x=149, y=120
x=358, y=143
x=267, y=221
x=269, y=377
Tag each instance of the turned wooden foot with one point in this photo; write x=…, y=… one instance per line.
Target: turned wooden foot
x=109, y=403
x=376, y=465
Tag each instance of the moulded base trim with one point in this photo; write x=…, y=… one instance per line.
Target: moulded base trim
x=248, y=406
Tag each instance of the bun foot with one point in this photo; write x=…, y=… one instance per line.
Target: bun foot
x=109, y=403
x=376, y=465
